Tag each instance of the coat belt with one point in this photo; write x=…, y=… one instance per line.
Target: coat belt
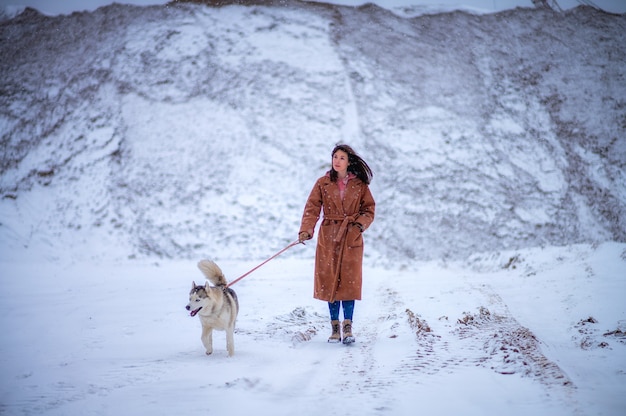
x=345, y=221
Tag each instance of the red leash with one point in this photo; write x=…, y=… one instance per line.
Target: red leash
x=274, y=256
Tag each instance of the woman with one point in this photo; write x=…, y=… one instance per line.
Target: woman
x=344, y=197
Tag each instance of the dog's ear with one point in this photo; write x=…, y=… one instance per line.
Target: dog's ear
x=193, y=285
x=207, y=286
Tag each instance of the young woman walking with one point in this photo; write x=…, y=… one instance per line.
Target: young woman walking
x=344, y=198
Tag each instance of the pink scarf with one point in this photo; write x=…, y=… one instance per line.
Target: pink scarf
x=343, y=183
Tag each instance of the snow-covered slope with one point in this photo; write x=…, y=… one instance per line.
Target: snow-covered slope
x=187, y=130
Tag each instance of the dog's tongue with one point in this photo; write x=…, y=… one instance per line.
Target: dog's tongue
x=193, y=313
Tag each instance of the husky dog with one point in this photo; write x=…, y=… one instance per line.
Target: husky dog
x=216, y=306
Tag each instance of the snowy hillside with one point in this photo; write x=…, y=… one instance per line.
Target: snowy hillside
x=182, y=130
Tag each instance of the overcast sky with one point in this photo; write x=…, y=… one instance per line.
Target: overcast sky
x=53, y=7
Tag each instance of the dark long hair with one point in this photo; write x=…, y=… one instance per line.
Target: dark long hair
x=356, y=165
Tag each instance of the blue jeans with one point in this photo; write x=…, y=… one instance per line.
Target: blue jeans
x=348, y=309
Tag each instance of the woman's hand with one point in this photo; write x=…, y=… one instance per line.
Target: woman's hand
x=304, y=236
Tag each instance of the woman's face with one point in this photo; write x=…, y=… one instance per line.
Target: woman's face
x=340, y=162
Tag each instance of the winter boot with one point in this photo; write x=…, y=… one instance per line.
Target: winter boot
x=348, y=338
x=336, y=335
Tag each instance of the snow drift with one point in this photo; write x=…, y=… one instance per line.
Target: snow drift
x=185, y=129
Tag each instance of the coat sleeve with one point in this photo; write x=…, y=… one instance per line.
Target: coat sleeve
x=312, y=209
x=367, y=209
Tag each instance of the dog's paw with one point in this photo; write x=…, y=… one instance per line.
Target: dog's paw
x=209, y=352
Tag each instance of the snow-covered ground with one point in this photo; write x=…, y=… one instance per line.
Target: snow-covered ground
x=136, y=141
x=536, y=332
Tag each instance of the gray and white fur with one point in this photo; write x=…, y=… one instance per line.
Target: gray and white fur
x=217, y=306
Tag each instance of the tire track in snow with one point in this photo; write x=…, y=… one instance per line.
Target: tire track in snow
x=496, y=341
x=365, y=372
x=510, y=348
x=396, y=348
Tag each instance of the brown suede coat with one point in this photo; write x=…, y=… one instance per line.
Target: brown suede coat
x=339, y=253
